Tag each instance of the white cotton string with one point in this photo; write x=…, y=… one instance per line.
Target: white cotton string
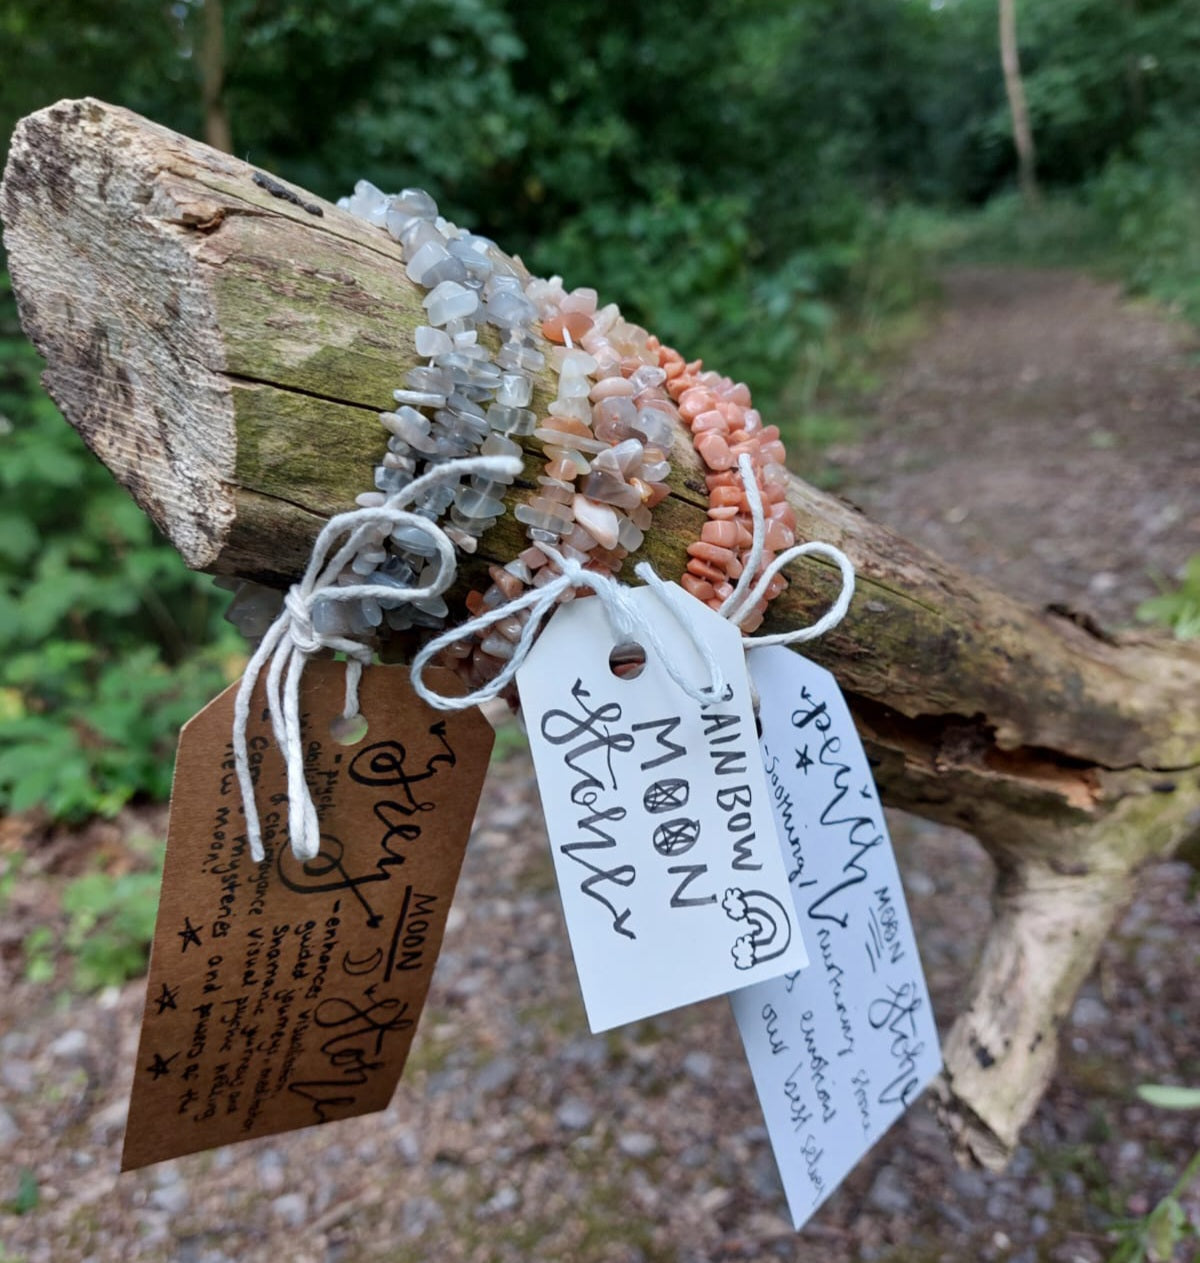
x=675, y=600
x=750, y=566
x=627, y=622
x=354, y=670
x=832, y=616
x=749, y=590
x=536, y=600
x=292, y=640
x=629, y=625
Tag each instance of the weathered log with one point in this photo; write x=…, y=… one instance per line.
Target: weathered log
x=225, y=352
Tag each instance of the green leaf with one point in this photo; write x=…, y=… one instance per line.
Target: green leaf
x=111, y=924
x=18, y=538
x=40, y=970
x=1132, y=1248
x=1169, y=1097
x=1165, y=1229
x=27, y=1196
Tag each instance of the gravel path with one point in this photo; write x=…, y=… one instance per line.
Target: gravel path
x=515, y=1134
x=1046, y=435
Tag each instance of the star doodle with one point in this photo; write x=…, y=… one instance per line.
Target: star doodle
x=158, y=1067
x=675, y=837
x=190, y=935
x=166, y=999
x=803, y=762
x=667, y=795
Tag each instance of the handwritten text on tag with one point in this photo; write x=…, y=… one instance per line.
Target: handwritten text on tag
x=283, y=994
x=672, y=881
x=839, y=1051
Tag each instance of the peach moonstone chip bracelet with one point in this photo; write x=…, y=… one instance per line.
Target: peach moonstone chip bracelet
x=724, y=427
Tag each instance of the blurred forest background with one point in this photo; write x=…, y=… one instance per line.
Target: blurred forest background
x=770, y=184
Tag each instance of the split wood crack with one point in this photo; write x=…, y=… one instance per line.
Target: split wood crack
x=223, y=351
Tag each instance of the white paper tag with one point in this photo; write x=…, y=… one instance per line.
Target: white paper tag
x=839, y=1051
x=672, y=881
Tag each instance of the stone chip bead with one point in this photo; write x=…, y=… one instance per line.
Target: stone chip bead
x=450, y=301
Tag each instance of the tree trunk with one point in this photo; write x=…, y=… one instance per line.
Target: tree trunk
x=212, y=76
x=226, y=351
x=1015, y=90
x=1135, y=81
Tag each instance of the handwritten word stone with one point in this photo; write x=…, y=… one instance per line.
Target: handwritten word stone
x=284, y=993
x=672, y=882
x=839, y=1051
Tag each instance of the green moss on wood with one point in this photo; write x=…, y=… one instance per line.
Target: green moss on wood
x=311, y=452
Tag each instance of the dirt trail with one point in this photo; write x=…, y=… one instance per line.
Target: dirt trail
x=1044, y=435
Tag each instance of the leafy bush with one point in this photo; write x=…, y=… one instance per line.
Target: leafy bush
x=110, y=925
x=1150, y=201
x=678, y=267
x=107, y=642
x=1136, y=221
x=26, y=1199
x=693, y=273
x=105, y=928
x=1064, y=231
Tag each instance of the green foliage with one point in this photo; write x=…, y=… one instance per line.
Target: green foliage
x=40, y=946
x=122, y=50
x=1065, y=231
x=27, y=1196
x=107, y=642
x=1150, y=202
x=10, y=872
x=684, y=270
x=511, y=740
x=105, y=927
x=1158, y=1235
x=1177, y=608
x=110, y=925
x=1135, y=221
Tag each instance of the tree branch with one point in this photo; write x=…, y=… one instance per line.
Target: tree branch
x=225, y=352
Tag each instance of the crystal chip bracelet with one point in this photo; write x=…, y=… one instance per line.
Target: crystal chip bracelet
x=725, y=426
x=605, y=441
x=478, y=404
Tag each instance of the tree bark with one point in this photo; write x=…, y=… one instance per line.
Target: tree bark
x=1014, y=88
x=226, y=353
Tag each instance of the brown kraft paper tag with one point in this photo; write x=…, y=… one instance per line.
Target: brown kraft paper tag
x=284, y=994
